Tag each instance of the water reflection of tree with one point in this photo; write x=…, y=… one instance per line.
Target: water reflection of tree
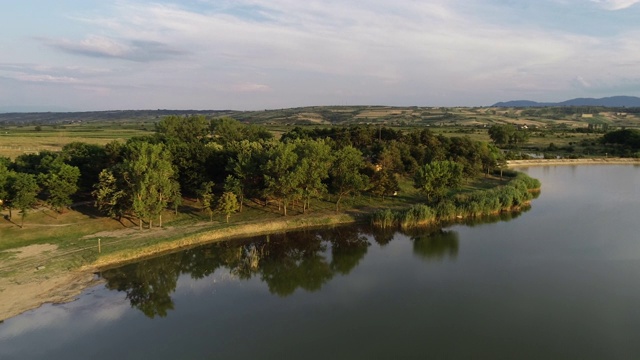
x=295, y=260
x=147, y=287
x=348, y=247
x=285, y=262
x=382, y=236
x=436, y=245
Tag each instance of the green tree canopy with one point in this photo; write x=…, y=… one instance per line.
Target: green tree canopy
x=346, y=175
x=22, y=193
x=281, y=174
x=60, y=183
x=150, y=175
x=228, y=204
x=436, y=178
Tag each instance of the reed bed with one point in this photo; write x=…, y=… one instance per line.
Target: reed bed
x=519, y=191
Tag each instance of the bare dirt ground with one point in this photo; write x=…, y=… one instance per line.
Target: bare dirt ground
x=31, y=285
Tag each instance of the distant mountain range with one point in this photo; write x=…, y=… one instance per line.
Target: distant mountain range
x=613, y=101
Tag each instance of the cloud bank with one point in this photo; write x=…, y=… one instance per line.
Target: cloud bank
x=251, y=54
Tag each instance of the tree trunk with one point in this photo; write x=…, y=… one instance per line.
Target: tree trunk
x=160, y=220
x=150, y=223
x=284, y=206
x=140, y=223
x=228, y=218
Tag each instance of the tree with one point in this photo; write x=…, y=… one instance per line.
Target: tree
x=501, y=134
x=110, y=195
x=314, y=161
x=4, y=184
x=282, y=177
x=383, y=183
x=206, y=195
x=90, y=159
x=23, y=190
x=491, y=158
x=346, y=177
x=228, y=204
x=234, y=185
x=436, y=178
x=245, y=167
x=185, y=129
x=149, y=173
x=60, y=182
x=226, y=130
x=186, y=139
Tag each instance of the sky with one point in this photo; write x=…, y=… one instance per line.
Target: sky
x=85, y=55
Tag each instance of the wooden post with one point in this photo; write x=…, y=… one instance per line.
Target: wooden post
x=99, y=249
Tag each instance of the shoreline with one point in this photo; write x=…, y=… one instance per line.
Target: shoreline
x=29, y=290
x=560, y=162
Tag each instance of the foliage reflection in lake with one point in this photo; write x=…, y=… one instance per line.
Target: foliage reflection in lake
x=285, y=262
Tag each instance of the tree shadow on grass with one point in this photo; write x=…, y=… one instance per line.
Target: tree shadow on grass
x=87, y=210
x=7, y=218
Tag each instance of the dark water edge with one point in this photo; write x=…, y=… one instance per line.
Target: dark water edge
x=558, y=281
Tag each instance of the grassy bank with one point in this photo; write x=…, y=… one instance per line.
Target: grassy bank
x=209, y=235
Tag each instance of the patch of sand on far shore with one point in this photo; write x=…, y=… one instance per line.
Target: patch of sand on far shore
x=590, y=161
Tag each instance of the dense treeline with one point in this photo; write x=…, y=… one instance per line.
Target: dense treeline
x=625, y=141
x=222, y=162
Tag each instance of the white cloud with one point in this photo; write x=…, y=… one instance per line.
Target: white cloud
x=616, y=4
x=279, y=53
x=250, y=87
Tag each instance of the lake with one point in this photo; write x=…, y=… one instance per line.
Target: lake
x=560, y=280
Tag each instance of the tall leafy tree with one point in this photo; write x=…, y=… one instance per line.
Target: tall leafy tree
x=228, y=204
x=245, y=168
x=150, y=174
x=282, y=176
x=23, y=190
x=110, y=193
x=4, y=184
x=384, y=183
x=346, y=176
x=59, y=184
x=226, y=130
x=207, y=198
x=314, y=162
x=186, y=138
x=436, y=178
x=90, y=159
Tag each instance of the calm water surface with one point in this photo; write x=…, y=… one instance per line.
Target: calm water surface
x=561, y=280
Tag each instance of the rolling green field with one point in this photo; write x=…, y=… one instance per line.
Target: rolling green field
x=36, y=132
x=17, y=139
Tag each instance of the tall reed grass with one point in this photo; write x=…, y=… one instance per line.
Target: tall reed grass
x=517, y=192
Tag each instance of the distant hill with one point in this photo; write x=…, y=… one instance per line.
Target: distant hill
x=89, y=116
x=613, y=101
